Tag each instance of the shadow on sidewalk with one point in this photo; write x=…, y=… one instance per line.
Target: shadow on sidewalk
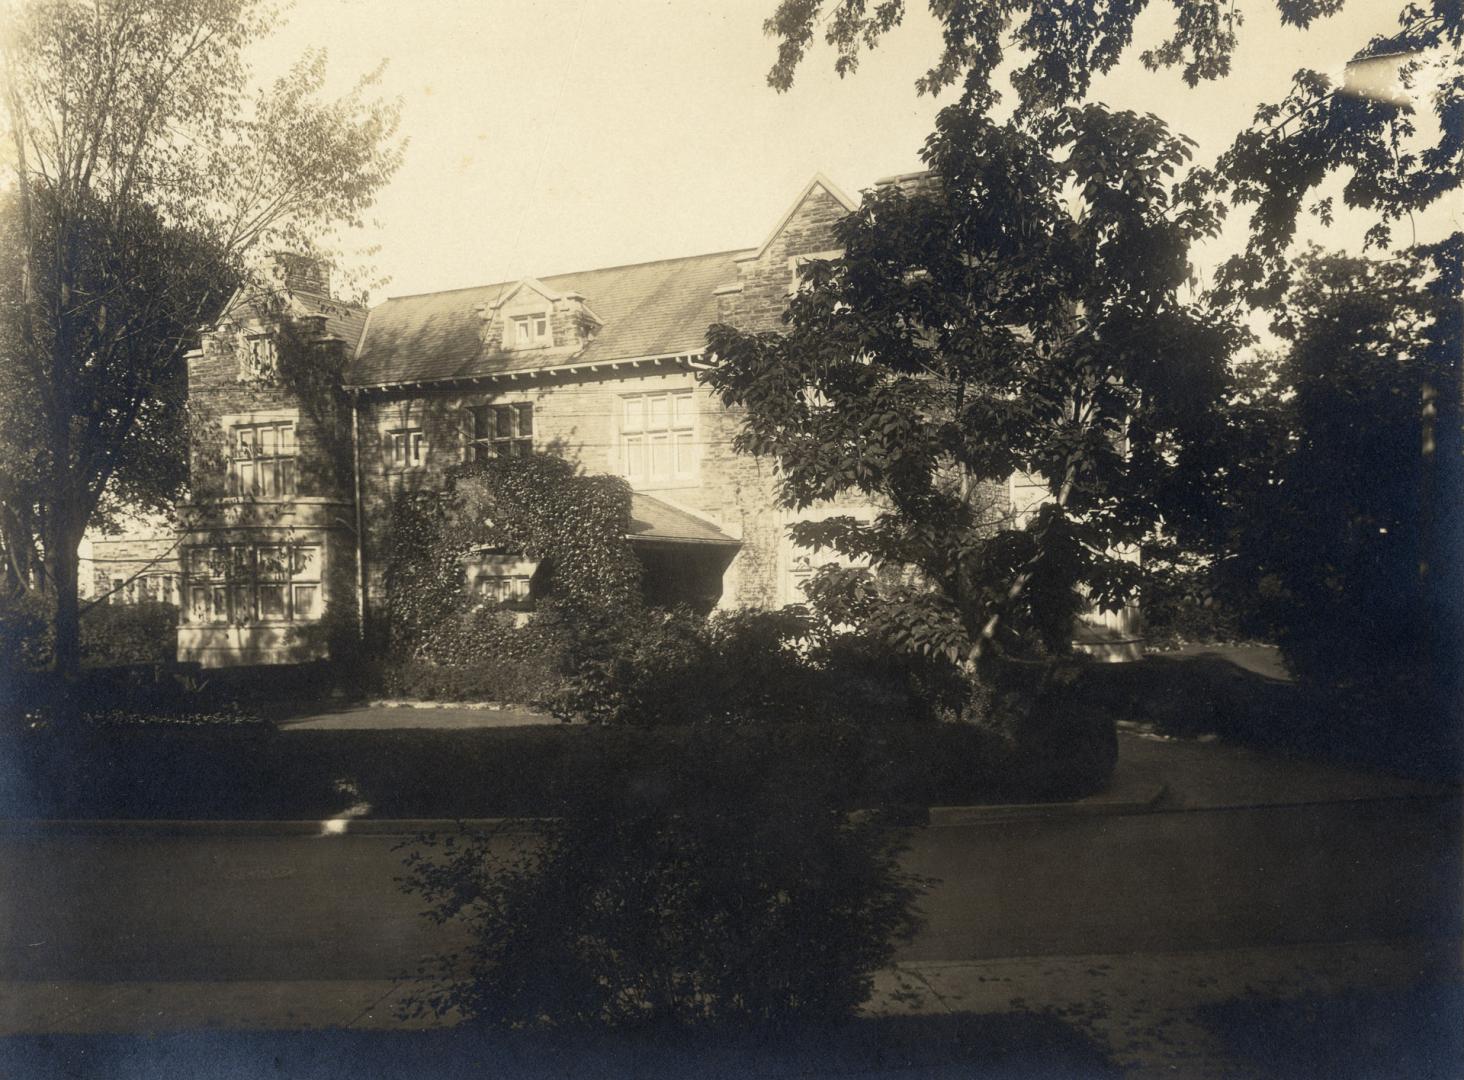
x=1016, y=1046
x=1414, y=1033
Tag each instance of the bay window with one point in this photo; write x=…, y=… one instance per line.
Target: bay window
x=247, y=583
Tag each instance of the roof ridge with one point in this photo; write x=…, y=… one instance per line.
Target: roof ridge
x=566, y=273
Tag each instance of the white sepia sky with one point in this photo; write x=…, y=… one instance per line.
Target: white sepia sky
x=548, y=137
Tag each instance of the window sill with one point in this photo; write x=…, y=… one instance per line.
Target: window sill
x=663, y=485
x=271, y=624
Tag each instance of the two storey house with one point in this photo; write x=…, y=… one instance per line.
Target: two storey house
x=290, y=491
x=292, y=487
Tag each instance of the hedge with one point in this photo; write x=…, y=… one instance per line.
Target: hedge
x=224, y=767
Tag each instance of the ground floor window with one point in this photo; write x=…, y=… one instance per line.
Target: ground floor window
x=147, y=588
x=245, y=583
x=498, y=580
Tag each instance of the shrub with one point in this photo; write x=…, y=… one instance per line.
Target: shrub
x=1064, y=739
x=635, y=666
x=111, y=634
x=656, y=668
x=729, y=893
x=145, y=633
x=505, y=661
x=25, y=633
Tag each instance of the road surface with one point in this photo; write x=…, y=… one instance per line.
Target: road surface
x=111, y=908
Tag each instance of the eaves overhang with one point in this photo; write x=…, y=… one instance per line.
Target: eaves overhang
x=690, y=360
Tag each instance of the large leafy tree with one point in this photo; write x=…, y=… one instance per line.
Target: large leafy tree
x=1392, y=126
x=1363, y=130
x=146, y=180
x=1342, y=521
x=1025, y=312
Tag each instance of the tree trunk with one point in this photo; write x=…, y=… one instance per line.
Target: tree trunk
x=62, y=565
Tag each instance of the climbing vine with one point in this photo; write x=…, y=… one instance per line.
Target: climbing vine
x=535, y=506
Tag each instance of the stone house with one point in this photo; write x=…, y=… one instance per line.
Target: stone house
x=289, y=493
x=290, y=489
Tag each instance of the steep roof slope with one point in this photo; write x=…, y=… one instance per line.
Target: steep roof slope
x=648, y=309
x=342, y=320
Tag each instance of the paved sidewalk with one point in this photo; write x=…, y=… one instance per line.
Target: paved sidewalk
x=1147, y=1009
x=1147, y=1012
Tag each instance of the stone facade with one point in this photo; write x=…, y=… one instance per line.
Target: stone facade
x=291, y=497
x=133, y=568
x=268, y=542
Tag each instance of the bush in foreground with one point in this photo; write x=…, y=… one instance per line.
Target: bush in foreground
x=730, y=893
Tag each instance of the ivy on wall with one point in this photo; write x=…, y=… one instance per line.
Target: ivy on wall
x=536, y=506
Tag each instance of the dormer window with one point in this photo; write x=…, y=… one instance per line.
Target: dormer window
x=531, y=330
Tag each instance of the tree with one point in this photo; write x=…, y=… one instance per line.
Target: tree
x=1023, y=313
x=1342, y=519
x=1053, y=52
x=146, y=183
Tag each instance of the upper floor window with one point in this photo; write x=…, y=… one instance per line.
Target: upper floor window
x=263, y=460
x=658, y=437
x=797, y=273
x=531, y=330
x=406, y=448
x=502, y=431
x=259, y=362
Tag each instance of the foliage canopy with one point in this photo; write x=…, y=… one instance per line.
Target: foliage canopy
x=1022, y=313
x=147, y=180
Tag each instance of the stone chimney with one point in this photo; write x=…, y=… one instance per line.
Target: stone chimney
x=303, y=273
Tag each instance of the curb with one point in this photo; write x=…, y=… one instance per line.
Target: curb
x=328, y=827
x=1146, y=798
x=468, y=706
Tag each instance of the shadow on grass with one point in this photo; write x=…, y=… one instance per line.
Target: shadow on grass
x=1414, y=1033
x=960, y=1045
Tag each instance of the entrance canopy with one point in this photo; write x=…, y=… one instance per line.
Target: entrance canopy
x=653, y=521
x=683, y=556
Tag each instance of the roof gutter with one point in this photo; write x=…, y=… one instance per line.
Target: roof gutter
x=692, y=360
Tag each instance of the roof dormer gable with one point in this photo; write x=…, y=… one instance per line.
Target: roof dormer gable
x=808, y=224
x=530, y=315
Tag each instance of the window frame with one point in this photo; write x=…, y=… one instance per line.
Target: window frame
x=485, y=437
x=225, y=584
x=260, y=360
x=642, y=434
x=281, y=462
x=411, y=440
x=531, y=330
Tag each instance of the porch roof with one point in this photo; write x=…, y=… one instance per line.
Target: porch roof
x=658, y=522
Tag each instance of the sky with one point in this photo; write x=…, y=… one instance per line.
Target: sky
x=550, y=137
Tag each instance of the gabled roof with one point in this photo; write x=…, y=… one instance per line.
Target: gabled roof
x=342, y=320
x=647, y=309
x=819, y=181
x=657, y=521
